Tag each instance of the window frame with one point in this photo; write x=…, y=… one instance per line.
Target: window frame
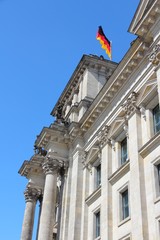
x=122, y=220
x=98, y=176
x=124, y=205
x=156, y=177
x=124, y=145
x=156, y=125
x=97, y=227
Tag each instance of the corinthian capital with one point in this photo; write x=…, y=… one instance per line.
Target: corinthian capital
x=32, y=194
x=103, y=136
x=130, y=105
x=51, y=166
x=154, y=57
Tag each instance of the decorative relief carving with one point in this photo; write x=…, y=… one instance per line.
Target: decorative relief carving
x=130, y=105
x=54, y=165
x=51, y=166
x=103, y=136
x=85, y=164
x=39, y=150
x=89, y=158
x=112, y=141
x=143, y=112
x=32, y=194
x=125, y=128
x=154, y=57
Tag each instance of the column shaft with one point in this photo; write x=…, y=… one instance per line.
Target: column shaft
x=28, y=221
x=47, y=217
x=31, y=196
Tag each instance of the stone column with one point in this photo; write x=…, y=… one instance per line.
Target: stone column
x=31, y=196
x=47, y=218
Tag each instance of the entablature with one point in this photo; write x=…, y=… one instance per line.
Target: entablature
x=33, y=166
x=145, y=17
x=121, y=75
x=69, y=97
x=55, y=133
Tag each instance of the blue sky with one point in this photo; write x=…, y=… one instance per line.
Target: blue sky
x=41, y=42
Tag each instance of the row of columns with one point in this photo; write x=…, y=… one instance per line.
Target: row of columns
x=47, y=215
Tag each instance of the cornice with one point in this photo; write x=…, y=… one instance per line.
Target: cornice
x=150, y=145
x=141, y=25
x=56, y=133
x=121, y=75
x=86, y=61
x=94, y=196
x=33, y=166
x=119, y=173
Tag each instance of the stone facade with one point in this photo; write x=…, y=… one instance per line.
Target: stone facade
x=96, y=169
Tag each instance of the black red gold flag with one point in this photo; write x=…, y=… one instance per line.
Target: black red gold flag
x=106, y=44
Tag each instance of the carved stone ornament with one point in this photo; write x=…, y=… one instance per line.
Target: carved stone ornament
x=112, y=141
x=130, y=105
x=84, y=156
x=32, y=194
x=39, y=150
x=50, y=166
x=143, y=112
x=154, y=57
x=125, y=128
x=103, y=136
x=86, y=165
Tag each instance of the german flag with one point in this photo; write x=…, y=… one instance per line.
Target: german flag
x=106, y=44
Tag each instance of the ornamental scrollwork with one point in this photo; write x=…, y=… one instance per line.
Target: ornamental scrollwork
x=103, y=136
x=154, y=57
x=32, y=194
x=129, y=105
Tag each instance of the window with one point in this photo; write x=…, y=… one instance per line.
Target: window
x=124, y=154
x=98, y=175
x=97, y=224
x=158, y=175
x=156, y=178
x=125, y=204
x=156, y=119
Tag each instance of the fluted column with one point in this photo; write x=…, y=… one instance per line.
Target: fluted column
x=31, y=196
x=47, y=218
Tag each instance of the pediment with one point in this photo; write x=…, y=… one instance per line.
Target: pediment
x=116, y=126
x=141, y=10
x=92, y=154
x=147, y=91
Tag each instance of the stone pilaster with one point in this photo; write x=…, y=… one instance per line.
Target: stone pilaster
x=31, y=196
x=75, y=210
x=47, y=218
x=106, y=193
x=155, y=60
x=136, y=184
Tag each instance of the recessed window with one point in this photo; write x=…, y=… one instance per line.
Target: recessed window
x=98, y=175
x=124, y=204
x=97, y=224
x=158, y=175
x=124, y=153
x=156, y=119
